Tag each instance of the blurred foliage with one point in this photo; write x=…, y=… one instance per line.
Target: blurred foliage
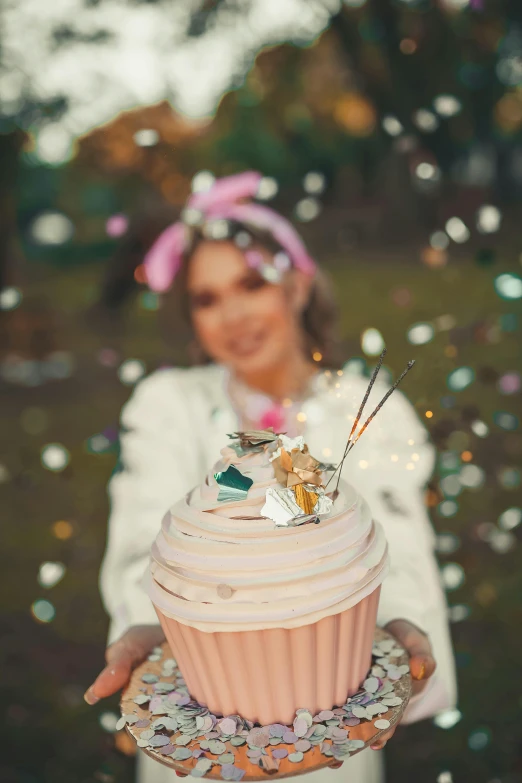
x=322, y=106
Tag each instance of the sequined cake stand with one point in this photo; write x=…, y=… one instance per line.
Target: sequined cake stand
x=231, y=761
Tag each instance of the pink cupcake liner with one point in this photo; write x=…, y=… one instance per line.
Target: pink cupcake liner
x=266, y=675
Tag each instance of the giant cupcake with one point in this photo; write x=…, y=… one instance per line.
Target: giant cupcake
x=266, y=582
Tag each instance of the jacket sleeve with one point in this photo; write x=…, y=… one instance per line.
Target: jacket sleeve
x=392, y=466
x=158, y=464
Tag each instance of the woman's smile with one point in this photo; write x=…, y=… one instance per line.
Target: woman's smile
x=246, y=344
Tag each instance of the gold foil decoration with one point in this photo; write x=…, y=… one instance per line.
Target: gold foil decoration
x=279, y=471
x=297, y=467
x=305, y=498
x=286, y=460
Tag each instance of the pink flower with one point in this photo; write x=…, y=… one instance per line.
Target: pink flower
x=273, y=417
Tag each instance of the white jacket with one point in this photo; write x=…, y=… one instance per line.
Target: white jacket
x=173, y=428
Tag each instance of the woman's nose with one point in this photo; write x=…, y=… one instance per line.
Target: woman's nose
x=234, y=310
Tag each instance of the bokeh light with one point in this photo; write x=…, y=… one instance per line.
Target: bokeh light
x=451, y=486
x=460, y=379
x=502, y=541
x=52, y=228
x=151, y=301
x=449, y=462
x=448, y=543
x=509, y=286
x=355, y=113
x=307, y=209
x=425, y=120
x=98, y=444
x=510, y=518
x=420, y=334
x=146, y=137
x=10, y=298
x=108, y=721
x=489, y=219
x=506, y=421
x=427, y=171
x=447, y=105
x=314, y=182
x=480, y=428
x=472, y=476
x=43, y=611
x=355, y=366
x=130, y=371
x=55, y=457
x=453, y=576
x=458, y=612
x=117, y=225
x=448, y=508
x=372, y=342
x=62, y=529
x=439, y=240
x=445, y=322
x=54, y=144
x=202, y=181
x=509, y=383
x=446, y=719
x=509, y=477
x=391, y=125
x=479, y=739
x=457, y=230
x=49, y=574
x=268, y=188
x=457, y=5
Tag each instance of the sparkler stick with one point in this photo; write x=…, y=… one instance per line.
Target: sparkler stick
x=379, y=406
x=359, y=414
x=351, y=444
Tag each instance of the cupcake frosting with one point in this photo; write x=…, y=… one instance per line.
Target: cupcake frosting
x=222, y=566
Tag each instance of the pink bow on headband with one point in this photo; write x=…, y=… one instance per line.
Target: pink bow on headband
x=227, y=199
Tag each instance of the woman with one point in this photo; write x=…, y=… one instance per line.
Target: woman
x=259, y=312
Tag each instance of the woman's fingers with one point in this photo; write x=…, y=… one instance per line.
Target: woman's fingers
x=381, y=742
x=336, y=765
x=122, y=657
x=111, y=679
x=421, y=667
x=422, y=662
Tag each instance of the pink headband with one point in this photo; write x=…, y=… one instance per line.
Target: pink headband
x=225, y=200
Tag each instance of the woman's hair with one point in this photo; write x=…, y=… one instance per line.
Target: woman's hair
x=319, y=318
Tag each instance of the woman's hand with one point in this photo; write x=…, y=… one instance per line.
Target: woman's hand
x=133, y=647
x=122, y=657
x=422, y=666
x=422, y=662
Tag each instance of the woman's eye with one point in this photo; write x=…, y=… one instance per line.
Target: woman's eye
x=253, y=282
x=201, y=301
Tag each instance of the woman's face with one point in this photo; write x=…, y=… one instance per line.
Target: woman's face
x=241, y=320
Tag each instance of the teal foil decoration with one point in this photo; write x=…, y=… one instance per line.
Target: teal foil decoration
x=234, y=485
